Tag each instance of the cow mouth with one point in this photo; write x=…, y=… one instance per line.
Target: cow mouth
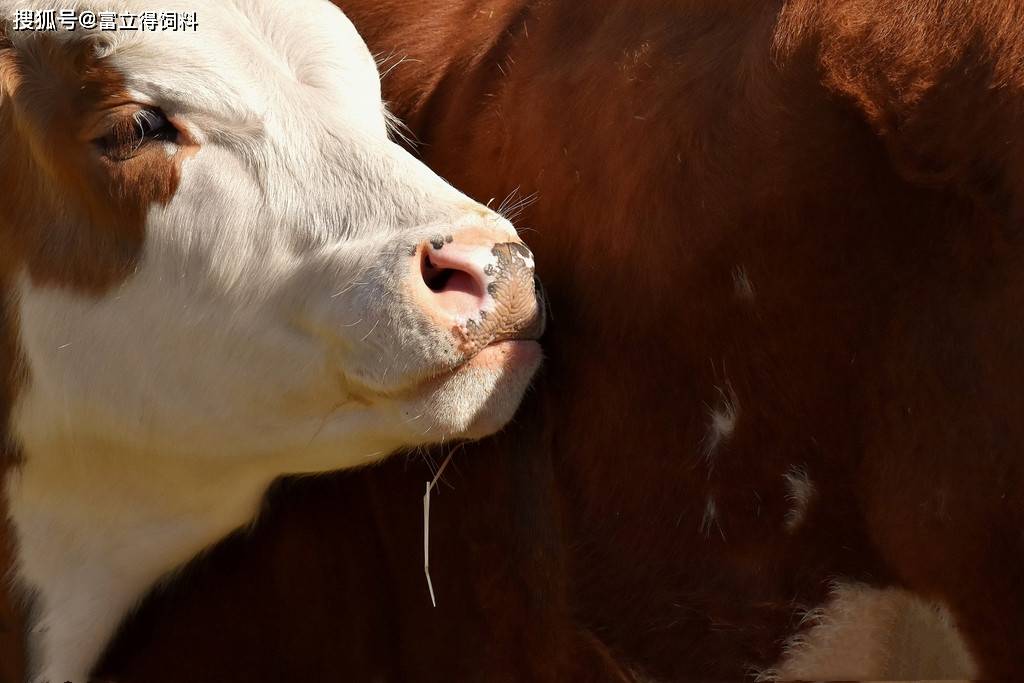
x=480, y=395
x=500, y=357
x=497, y=356
x=503, y=353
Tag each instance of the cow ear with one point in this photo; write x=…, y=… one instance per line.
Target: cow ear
x=10, y=76
x=8, y=71
x=942, y=84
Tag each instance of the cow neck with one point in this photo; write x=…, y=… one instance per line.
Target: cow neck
x=455, y=43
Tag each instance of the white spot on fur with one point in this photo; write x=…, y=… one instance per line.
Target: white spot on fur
x=722, y=423
x=710, y=518
x=800, y=490
x=742, y=285
x=866, y=633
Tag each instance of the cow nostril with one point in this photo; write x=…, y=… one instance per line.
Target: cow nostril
x=451, y=281
x=435, y=278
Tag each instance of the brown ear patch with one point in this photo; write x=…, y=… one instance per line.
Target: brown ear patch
x=73, y=216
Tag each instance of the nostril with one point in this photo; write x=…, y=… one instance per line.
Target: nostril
x=454, y=281
x=435, y=278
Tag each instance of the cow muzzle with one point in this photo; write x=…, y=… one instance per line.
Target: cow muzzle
x=478, y=284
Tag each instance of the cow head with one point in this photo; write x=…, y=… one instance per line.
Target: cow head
x=210, y=246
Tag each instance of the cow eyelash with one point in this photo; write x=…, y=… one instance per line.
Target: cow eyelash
x=128, y=136
x=152, y=124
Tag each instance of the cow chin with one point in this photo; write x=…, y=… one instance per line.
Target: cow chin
x=476, y=399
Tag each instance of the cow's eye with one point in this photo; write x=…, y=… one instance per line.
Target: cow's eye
x=152, y=124
x=130, y=135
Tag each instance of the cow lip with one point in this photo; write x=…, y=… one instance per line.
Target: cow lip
x=503, y=343
x=478, y=358
x=433, y=378
x=511, y=341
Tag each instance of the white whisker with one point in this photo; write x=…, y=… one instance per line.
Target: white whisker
x=367, y=336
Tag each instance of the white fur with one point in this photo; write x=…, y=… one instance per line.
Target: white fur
x=742, y=285
x=710, y=518
x=267, y=330
x=800, y=491
x=866, y=633
x=721, y=424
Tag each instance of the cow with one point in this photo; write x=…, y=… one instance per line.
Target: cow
x=217, y=268
x=778, y=430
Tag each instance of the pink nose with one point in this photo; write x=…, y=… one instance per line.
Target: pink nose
x=456, y=275
x=479, y=285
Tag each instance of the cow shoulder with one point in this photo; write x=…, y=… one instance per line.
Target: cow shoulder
x=940, y=83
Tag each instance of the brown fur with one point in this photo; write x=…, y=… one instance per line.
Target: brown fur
x=940, y=84
x=858, y=161
x=88, y=235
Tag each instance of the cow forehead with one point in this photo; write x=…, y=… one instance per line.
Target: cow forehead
x=247, y=60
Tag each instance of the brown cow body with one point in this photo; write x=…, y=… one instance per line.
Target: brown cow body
x=783, y=253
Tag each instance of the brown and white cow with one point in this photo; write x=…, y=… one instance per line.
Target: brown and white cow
x=780, y=427
x=216, y=268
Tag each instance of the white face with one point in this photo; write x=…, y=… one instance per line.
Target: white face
x=288, y=280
